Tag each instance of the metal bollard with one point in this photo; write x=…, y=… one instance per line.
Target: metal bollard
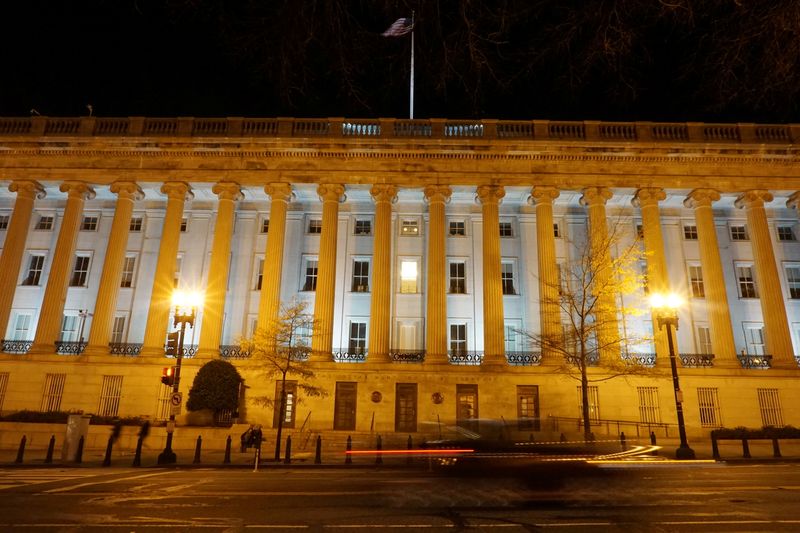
x=776, y=448
x=622, y=441
x=287, y=459
x=348, y=459
x=50, y=448
x=410, y=446
x=378, y=454
x=137, y=457
x=227, y=459
x=653, y=438
x=109, y=447
x=715, y=447
x=318, y=452
x=21, y=451
x=745, y=449
x=563, y=438
x=197, y=449
x=79, y=453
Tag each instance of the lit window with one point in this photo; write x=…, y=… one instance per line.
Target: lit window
x=69, y=328
x=264, y=225
x=458, y=281
x=696, y=281
x=118, y=330
x=89, y=224
x=136, y=224
x=4, y=219
x=363, y=227
x=22, y=327
x=690, y=232
x=360, y=276
x=704, y=340
x=34, y=270
x=409, y=227
x=793, y=280
x=457, y=228
x=44, y=223
x=128, y=267
x=754, y=336
x=80, y=272
x=786, y=233
x=507, y=277
x=739, y=233
x=746, y=281
x=506, y=230
x=408, y=276
x=311, y=275
x=315, y=226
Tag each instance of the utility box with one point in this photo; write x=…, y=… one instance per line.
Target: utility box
x=77, y=427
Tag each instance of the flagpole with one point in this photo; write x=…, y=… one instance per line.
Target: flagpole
x=411, y=85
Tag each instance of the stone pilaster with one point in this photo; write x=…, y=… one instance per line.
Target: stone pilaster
x=436, y=312
x=773, y=307
x=381, y=295
x=549, y=301
x=595, y=199
x=493, y=325
x=155, y=332
x=127, y=193
x=269, y=304
x=55, y=294
x=216, y=287
x=322, y=340
x=14, y=245
x=713, y=279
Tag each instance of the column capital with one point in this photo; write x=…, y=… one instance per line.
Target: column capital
x=228, y=190
x=383, y=193
x=437, y=193
x=648, y=196
x=32, y=189
x=77, y=189
x=753, y=198
x=701, y=198
x=596, y=196
x=279, y=191
x=127, y=189
x=490, y=194
x=541, y=194
x=330, y=192
x=177, y=190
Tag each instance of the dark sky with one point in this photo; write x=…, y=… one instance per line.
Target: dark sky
x=716, y=60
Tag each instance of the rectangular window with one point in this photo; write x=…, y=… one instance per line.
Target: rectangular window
x=506, y=230
x=645, y=278
x=3, y=388
x=344, y=409
x=786, y=233
x=561, y=279
x=770, y=404
x=739, y=233
x=746, y=281
x=594, y=403
x=4, y=220
x=511, y=337
x=457, y=228
x=704, y=340
x=793, y=281
x=310, y=283
x=136, y=224
x=264, y=225
x=315, y=226
x=556, y=231
x=52, y=392
x=408, y=276
x=405, y=412
x=35, y=266
x=22, y=327
x=290, y=402
x=708, y=402
x=649, y=411
x=467, y=406
x=360, y=276
x=128, y=267
x=409, y=227
x=363, y=227
x=754, y=336
x=690, y=232
x=639, y=231
x=458, y=339
x=696, y=281
x=89, y=223
x=184, y=225
x=458, y=280
x=45, y=222
x=80, y=271
x=69, y=328
x=118, y=330
x=357, y=343
x=259, y=274
x=528, y=407
x=178, y=268
x=507, y=278
x=110, y=395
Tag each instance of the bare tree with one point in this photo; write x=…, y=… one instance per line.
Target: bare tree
x=282, y=349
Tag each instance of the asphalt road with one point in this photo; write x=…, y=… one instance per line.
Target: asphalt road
x=636, y=497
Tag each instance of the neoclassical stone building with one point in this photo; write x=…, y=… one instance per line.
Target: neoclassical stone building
x=423, y=247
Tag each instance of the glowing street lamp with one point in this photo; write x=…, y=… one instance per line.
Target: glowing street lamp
x=186, y=304
x=665, y=308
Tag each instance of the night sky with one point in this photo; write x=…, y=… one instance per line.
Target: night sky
x=716, y=60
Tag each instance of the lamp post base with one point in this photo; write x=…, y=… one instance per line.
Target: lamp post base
x=167, y=457
x=684, y=452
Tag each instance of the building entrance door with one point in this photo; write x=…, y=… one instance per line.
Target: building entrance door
x=344, y=416
x=405, y=417
x=467, y=407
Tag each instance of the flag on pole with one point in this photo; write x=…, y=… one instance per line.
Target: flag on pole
x=401, y=27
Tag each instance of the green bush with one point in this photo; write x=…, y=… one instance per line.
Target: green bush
x=215, y=387
x=48, y=417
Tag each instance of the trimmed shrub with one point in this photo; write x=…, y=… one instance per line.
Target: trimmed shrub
x=215, y=387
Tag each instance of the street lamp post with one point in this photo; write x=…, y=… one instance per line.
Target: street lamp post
x=185, y=313
x=666, y=310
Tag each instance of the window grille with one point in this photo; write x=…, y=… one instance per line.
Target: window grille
x=708, y=402
x=315, y=226
x=457, y=228
x=363, y=227
x=52, y=392
x=136, y=224
x=35, y=267
x=594, y=403
x=89, y=224
x=786, y=233
x=770, y=404
x=506, y=230
x=163, y=407
x=649, y=410
x=3, y=387
x=80, y=272
x=44, y=223
x=696, y=281
x=110, y=395
x=128, y=266
x=690, y=232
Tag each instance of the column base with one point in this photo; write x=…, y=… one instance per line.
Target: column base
x=685, y=453
x=206, y=354
x=42, y=349
x=97, y=349
x=151, y=351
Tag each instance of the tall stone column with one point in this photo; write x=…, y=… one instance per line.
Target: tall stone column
x=713, y=279
x=599, y=242
x=14, y=245
x=106, y=303
x=657, y=278
x=55, y=294
x=380, y=299
x=163, y=279
x=269, y=304
x=773, y=307
x=549, y=304
x=322, y=340
x=216, y=286
x=436, y=312
x=493, y=324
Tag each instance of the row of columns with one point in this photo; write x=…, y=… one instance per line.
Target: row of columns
x=778, y=338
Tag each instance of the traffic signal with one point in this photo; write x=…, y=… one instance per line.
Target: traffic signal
x=168, y=375
x=171, y=348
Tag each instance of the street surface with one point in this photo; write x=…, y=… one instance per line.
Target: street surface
x=622, y=497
